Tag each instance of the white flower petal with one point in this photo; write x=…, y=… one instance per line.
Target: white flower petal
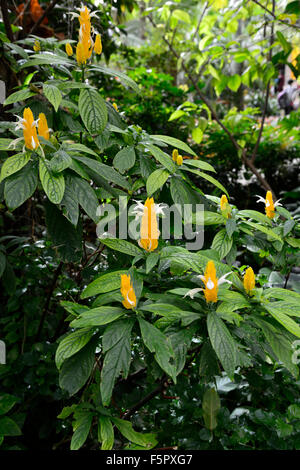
x=193, y=292
x=210, y=284
x=223, y=279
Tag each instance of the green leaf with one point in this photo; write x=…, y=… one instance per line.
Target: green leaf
x=211, y=218
x=180, y=342
x=222, y=243
x=65, y=237
x=124, y=159
x=14, y=164
x=222, y=342
x=122, y=245
x=20, y=95
x=256, y=216
x=292, y=8
x=284, y=319
x=116, y=73
x=104, y=283
x=117, y=359
x=156, y=180
x=280, y=345
x=106, y=433
x=265, y=230
x=115, y=331
x=2, y=263
x=162, y=157
x=85, y=195
x=181, y=15
x=6, y=403
x=234, y=82
x=60, y=161
x=284, y=43
x=47, y=58
x=294, y=242
x=200, y=164
x=92, y=110
x=97, y=316
x=53, y=184
x=208, y=366
x=197, y=134
x=105, y=171
x=211, y=405
x=151, y=261
x=81, y=430
x=79, y=148
x=20, y=186
x=211, y=180
x=71, y=344
x=125, y=428
x=174, y=143
x=181, y=192
x=176, y=115
x=157, y=343
x=230, y=227
x=53, y=95
x=76, y=369
x=8, y=427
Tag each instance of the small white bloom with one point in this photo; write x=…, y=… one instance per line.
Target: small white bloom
x=191, y=293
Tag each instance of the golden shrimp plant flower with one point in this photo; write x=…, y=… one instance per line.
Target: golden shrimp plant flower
x=269, y=204
x=43, y=129
x=98, y=45
x=28, y=125
x=225, y=206
x=249, y=280
x=149, y=225
x=211, y=283
x=127, y=292
x=69, y=49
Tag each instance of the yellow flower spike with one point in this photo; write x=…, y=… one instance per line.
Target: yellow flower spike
x=98, y=45
x=179, y=160
x=29, y=130
x=69, y=49
x=115, y=106
x=36, y=46
x=225, y=206
x=85, y=35
x=80, y=56
x=43, y=129
x=211, y=283
x=127, y=292
x=149, y=227
x=175, y=155
x=249, y=280
x=269, y=208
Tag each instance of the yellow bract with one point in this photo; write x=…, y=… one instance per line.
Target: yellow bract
x=98, y=44
x=29, y=130
x=149, y=228
x=36, y=46
x=69, y=49
x=127, y=292
x=80, y=55
x=224, y=206
x=269, y=208
x=175, y=155
x=249, y=280
x=211, y=283
x=43, y=129
x=115, y=106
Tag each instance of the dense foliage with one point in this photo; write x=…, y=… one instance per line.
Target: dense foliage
x=147, y=340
